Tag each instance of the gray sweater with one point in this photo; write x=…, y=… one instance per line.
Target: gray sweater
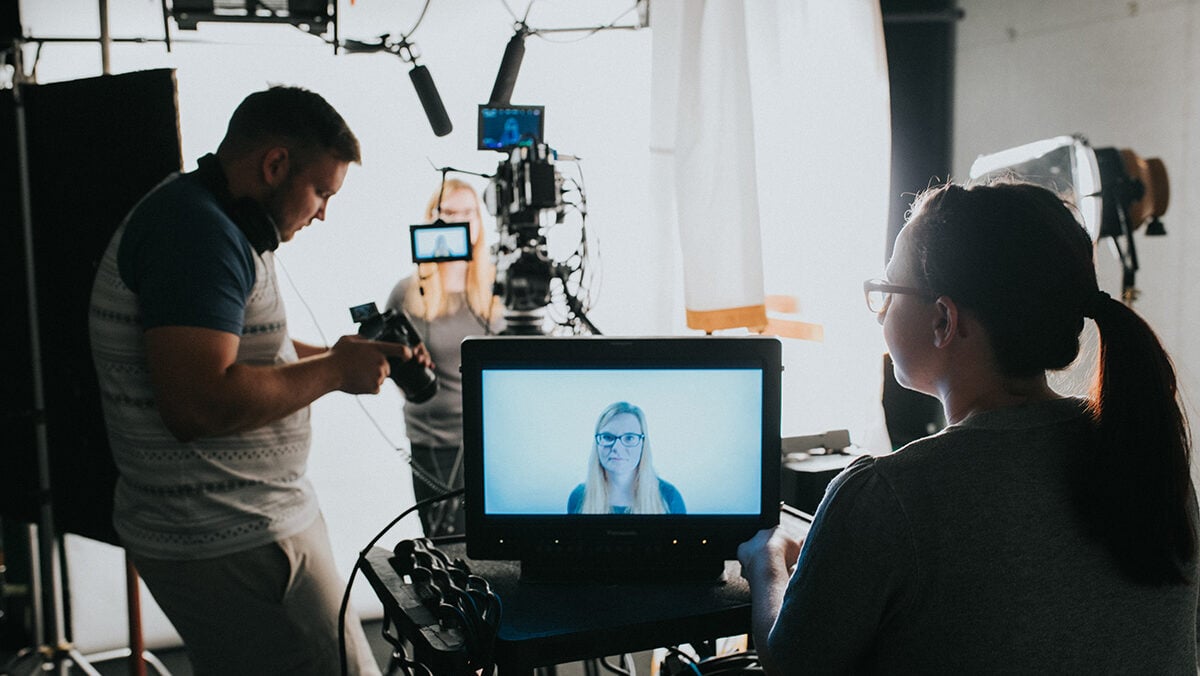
x=438, y=421
x=963, y=553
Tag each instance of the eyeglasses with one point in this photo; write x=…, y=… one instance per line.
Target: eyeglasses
x=629, y=439
x=879, y=293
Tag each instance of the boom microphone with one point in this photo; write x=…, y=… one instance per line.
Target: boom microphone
x=427, y=92
x=510, y=66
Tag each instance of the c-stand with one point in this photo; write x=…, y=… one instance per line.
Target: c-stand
x=52, y=649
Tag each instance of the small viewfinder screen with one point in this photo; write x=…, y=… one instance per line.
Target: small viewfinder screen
x=438, y=242
x=503, y=127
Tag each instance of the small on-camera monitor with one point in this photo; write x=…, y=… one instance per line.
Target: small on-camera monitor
x=438, y=242
x=619, y=458
x=501, y=127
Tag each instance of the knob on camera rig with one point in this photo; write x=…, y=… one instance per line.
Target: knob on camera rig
x=415, y=380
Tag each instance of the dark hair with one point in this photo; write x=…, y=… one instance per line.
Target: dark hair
x=1014, y=255
x=297, y=117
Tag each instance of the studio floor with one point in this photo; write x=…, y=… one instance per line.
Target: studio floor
x=176, y=661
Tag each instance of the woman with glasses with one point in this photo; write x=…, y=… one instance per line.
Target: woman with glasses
x=1035, y=534
x=447, y=302
x=620, y=476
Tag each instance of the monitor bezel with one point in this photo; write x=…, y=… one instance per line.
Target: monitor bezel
x=463, y=227
x=531, y=537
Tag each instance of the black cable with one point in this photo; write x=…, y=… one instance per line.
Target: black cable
x=441, y=194
x=405, y=36
x=733, y=663
x=362, y=556
x=590, y=33
x=622, y=670
x=522, y=23
x=683, y=658
x=513, y=15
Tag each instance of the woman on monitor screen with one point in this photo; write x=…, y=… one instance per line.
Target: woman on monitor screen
x=447, y=302
x=620, y=475
x=1037, y=533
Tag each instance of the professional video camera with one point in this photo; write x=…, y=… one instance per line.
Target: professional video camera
x=526, y=195
x=416, y=381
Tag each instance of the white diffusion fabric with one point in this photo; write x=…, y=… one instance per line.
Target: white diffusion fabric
x=771, y=139
x=714, y=166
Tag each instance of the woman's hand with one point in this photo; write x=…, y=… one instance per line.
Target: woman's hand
x=770, y=554
x=422, y=356
x=767, y=561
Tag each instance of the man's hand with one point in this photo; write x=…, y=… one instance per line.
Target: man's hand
x=202, y=390
x=363, y=363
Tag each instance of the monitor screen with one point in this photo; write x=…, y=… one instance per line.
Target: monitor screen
x=592, y=445
x=437, y=242
x=503, y=127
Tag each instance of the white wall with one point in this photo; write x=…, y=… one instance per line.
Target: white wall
x=1124, y=74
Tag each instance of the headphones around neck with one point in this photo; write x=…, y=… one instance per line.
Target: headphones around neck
x=247, y=213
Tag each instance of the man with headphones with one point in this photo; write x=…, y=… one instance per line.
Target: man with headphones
x=206, y=397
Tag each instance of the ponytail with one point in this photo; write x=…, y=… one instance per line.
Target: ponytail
x=1139, y=490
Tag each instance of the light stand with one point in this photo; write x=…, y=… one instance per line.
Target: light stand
x=53, y=651
x=1134, y=192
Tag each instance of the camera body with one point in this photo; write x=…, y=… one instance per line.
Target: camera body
x=415, y=380
x=525, y=190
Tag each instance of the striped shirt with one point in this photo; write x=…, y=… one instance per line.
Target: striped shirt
x=178, y=260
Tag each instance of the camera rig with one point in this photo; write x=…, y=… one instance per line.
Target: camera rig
x=527, y=195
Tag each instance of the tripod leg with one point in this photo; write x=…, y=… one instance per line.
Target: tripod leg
x=80, y=662
x=137, y=646
x=36, y=597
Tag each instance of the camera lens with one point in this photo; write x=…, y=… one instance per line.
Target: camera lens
x=416, y=381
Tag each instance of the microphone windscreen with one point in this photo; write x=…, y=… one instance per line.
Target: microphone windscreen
x=510, y=66
x=428, y=93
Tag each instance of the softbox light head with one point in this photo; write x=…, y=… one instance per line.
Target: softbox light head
x=1115, y=191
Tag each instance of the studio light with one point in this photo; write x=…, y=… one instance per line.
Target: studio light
x=315, y=16
x=1115, y=190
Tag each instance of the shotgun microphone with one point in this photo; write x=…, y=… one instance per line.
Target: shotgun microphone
x=430, y=101
x=510, y=66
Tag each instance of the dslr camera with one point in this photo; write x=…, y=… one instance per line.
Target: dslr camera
x=415, y=380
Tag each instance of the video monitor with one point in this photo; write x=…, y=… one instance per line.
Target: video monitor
x=503, y=127
x=619, y=457
x=438, y=241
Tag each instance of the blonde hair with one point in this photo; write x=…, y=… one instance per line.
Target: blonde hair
x=426, y=297
x=647, y=498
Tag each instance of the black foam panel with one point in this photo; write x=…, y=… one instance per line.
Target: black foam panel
x=95, y=147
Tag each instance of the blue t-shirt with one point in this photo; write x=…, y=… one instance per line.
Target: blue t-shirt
x=188, y=268
x=670, y=496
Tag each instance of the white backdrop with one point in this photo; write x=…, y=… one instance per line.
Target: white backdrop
x=771, y=138
x=597, y=93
